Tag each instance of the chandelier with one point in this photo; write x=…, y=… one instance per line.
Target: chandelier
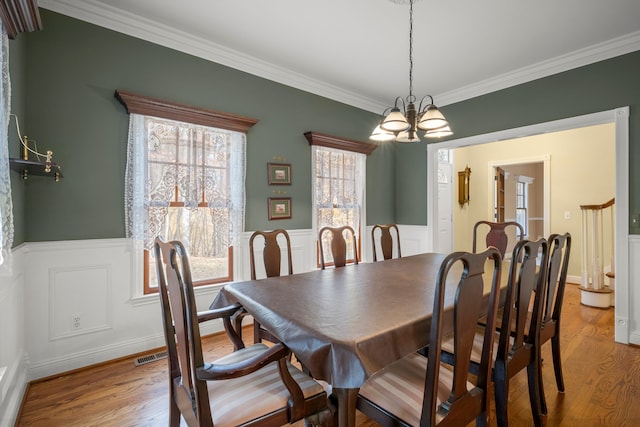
x=401, y=122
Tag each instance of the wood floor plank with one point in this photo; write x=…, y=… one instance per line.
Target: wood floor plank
x=602, y=380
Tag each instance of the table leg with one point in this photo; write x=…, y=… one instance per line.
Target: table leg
x=345, y=399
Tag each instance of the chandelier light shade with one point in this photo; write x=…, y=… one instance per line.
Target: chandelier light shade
x=401, y=122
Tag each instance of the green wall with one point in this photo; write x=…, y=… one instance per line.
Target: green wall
x=63, y=81
x=71, y=71
x=597, y=87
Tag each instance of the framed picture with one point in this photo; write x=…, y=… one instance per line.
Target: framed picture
x=279, y=173
x=279, y=208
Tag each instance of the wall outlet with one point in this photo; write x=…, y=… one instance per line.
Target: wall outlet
x=76, y=321
x=567, y=214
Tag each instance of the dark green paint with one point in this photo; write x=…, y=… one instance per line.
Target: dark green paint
x=72, y=70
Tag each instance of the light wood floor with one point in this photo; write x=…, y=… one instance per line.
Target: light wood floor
x=602, y=381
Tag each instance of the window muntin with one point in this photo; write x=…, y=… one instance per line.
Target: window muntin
x=339, y=178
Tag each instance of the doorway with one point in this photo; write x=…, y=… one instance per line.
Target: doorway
x=620, y=118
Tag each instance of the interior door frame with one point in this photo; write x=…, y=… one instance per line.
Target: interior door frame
x=619, y=116
x=545, y=159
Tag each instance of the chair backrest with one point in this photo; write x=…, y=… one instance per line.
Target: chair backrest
x=271, y=253
x=497, y=234
x=557, y=277
x=385, y=240
x=181, y=330
x=338, y=245
x=463, y=404
x=234, y=401
x=520, y=327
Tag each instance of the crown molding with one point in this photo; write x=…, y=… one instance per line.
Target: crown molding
x=599, y=52
x=136, y=26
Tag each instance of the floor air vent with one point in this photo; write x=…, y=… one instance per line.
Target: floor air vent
x=143, y=360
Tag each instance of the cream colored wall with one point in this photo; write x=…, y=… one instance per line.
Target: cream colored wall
x=582, y=171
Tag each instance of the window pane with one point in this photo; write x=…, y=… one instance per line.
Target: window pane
x=208, y=250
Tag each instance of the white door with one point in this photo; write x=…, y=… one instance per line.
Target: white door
x=444, y=241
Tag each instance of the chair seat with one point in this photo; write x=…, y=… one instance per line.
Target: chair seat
x=236, y=401
x=399, y=388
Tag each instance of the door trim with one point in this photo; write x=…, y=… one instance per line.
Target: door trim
x=619, y=116
x=545, y=159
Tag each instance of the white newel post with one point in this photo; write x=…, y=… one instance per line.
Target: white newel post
x=594, y=291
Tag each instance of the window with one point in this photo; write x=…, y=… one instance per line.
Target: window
x=184, y=181
x=522, y=205
x=195, y=178
x=339, y=182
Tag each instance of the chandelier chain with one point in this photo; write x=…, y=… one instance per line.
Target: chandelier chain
x=410, y=49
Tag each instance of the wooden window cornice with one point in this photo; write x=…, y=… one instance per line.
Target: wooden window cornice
x=20, y=16
x=324, y=140
x=148, y=106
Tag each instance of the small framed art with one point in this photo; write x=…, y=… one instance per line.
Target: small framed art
x=279, y=173
x=279, y=208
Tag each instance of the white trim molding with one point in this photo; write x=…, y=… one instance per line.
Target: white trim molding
x=618, y=116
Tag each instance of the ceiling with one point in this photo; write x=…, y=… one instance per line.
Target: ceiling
x=357, y=51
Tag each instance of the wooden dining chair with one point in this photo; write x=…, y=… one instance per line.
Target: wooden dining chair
x=386, y=235
x=560, y=249
x=339, y=251
x=255, y=384
x=517, y=337
x=497, y=234
x=272, y=259
x=421, y=391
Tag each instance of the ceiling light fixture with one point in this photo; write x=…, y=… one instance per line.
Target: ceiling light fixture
x=401, y=125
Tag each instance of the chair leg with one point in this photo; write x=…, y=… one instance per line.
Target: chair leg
x=481, y=420
x=501, y=390
x=256, y=332
x=535, y=390
x=174, y=412
x=557, y=362
x=541, y=396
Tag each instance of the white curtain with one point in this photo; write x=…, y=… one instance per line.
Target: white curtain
x=6, y=207
x=164, y=155
x=339, y=187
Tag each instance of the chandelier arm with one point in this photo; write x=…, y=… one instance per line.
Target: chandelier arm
x=398, y=100
x=420, y=110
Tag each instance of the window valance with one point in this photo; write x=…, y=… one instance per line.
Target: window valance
x=324, y=140
x=149, y=106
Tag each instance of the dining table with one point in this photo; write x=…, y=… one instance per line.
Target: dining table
x=344, y=324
